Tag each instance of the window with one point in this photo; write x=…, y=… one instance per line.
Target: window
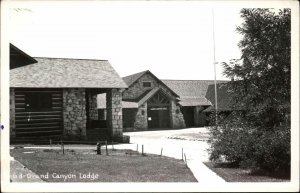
x=38, y=101
x=146, y=84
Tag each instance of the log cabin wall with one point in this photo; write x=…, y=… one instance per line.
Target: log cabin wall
x=36, y=112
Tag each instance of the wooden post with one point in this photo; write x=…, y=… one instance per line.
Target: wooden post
x=142, y=149
x=106, y=148
x=62, y=147
x=161, y=150
x=98, y=148
x=185, y=158
x=182, y=153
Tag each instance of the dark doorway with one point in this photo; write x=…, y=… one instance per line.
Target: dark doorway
x=158, y=112
x=158, y=117
x=188, y=114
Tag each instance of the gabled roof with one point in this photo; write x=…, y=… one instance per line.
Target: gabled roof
x=131, y=79
x=199, y=101
x=66, y=73
x=148, y=96
x=18, y=58
x=101, y=99
x=191, y=92
x=101, y=102
x=223, y=97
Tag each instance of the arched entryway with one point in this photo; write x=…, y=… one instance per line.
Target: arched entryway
x=158, y=111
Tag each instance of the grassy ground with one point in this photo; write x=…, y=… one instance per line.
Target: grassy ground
x=86, y=166
x=233, y=174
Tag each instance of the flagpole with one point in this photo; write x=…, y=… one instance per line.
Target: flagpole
x=215, y=69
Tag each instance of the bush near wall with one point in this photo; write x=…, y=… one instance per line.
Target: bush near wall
x=251, y=147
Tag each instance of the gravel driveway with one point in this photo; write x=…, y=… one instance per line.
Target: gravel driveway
x=192, y=140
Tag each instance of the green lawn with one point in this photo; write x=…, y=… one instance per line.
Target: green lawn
x=86, y=166
x=235, y=174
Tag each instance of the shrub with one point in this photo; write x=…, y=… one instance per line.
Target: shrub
x=250, y=147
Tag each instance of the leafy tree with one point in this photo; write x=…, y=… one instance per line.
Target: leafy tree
x=257, y=134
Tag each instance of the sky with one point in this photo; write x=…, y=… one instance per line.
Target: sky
x=174, y=40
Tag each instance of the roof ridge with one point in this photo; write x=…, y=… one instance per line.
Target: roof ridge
x=136, y=73
x=191, y=80
x=70, y=58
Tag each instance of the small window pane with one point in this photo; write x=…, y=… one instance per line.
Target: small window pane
x=146, y=84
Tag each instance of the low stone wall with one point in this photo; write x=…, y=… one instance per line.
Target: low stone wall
x=74, y=113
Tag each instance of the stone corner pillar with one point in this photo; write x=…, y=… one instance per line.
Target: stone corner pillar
x=114, y=113
x=172, y=114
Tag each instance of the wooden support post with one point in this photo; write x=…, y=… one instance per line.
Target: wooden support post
x=161, y=150
x=142, y=149
x=182, y=153
x=185, y=158
x=106, y=148
x=62, y=147
x=98, y=148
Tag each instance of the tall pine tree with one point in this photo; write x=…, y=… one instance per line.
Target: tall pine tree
x=258, y=134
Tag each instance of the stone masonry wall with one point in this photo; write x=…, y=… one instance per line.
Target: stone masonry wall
x=74, y=112
x=141, y=122
x=93, y=111
x=12, y=110
x=176, y=116
x=137, y=89
x=114, y=112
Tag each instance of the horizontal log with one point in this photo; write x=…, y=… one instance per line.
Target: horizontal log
x=22, y=125
x=40, y=128
x=38, y=120
x=20, y=109
x=23, y=105
x=39, y=115
x=38, y=112
x=38, y=132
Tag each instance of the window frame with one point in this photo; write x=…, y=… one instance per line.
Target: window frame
x=149, y=82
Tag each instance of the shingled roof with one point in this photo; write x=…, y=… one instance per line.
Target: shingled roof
x=131, y=79
x=191, y=92
x=101, y=102
x=66, y=73
x=223, y=97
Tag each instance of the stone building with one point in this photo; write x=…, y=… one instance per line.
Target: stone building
x=197, y=99
x=57, y=97
x=148, y=103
